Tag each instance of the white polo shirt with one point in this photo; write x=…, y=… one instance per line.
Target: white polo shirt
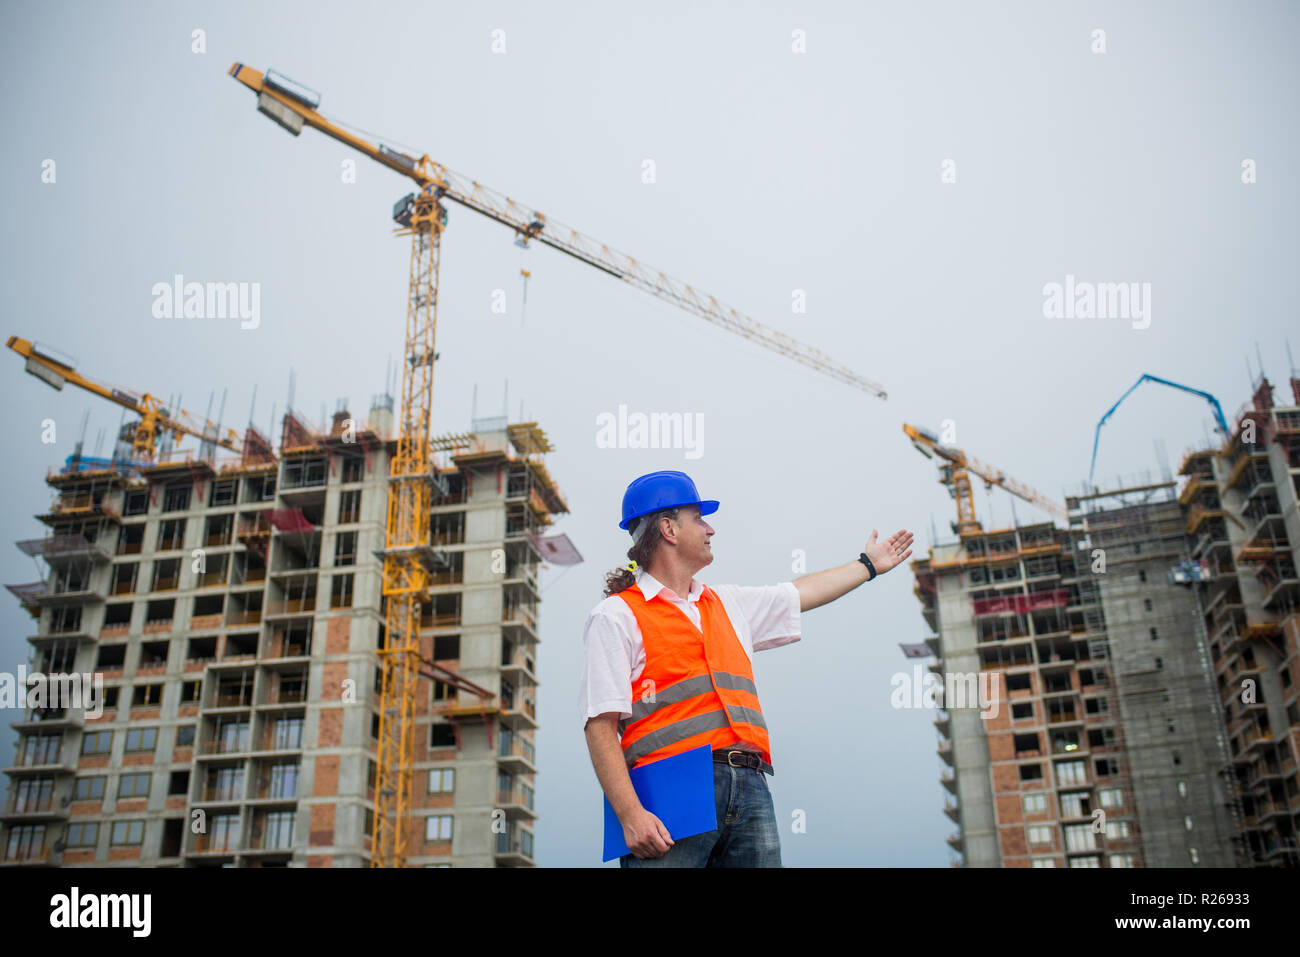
x=766, y=616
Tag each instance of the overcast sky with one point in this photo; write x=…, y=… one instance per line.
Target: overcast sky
x=775, y=171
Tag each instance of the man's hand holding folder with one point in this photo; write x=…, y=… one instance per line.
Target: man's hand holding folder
x=645, y=834
x=674, y=793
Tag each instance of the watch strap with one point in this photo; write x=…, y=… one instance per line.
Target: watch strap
x=870, y=567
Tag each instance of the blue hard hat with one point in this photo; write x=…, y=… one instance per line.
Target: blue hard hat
x=659, y=490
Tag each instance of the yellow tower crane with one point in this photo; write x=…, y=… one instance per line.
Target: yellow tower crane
x=408, y=555
x=155, y=419
x=954, y=472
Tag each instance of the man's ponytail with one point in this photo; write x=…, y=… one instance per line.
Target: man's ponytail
x=645, y=544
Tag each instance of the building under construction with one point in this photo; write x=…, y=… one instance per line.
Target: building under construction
x=1243, y=523
x=235, y=612
x=1120, y=648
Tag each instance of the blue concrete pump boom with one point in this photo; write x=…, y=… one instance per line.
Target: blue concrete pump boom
x=1214, y=403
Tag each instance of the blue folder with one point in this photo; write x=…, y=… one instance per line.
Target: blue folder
x=678, y=790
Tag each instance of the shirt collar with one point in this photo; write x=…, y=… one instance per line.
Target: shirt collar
x=650, y=586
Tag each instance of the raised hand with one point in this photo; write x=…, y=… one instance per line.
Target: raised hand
x=891, y=552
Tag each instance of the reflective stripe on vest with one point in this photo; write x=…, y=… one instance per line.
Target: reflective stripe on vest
x=697, y=686
x=689, y=688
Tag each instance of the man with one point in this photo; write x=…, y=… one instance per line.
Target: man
x=684, y=651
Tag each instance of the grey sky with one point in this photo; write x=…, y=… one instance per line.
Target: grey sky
x=776, y=171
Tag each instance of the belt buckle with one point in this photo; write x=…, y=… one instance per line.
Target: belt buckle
x=732, y=763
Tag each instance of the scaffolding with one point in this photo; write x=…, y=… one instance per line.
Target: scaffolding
x=1241, y=500
x=1102, y=651
x=1129, y=541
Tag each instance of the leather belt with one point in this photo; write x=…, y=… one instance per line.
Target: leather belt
x=740, y=758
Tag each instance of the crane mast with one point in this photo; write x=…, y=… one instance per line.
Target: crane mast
x=407, y=554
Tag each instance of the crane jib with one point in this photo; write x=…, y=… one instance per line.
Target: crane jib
x=409, y=162
x=292, y=106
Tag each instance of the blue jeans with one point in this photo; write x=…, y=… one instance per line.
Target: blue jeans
x=747, y=837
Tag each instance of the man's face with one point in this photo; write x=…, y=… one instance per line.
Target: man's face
x=693, y=534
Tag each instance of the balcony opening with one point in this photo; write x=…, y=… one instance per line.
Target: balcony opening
x=341, y=591
x=291, y=639
x=259, y=488
x=453, y=573
x=234, y=691
x=446, y=648
x=208, y=605
x=1055, y=683
x=147, y=695
x=446, y=610
x=290, y=688
x=131, y=539
x=1019, y=682
x=1096, y=706
x=154, y=653
x=350, y=507
x=442, y=735
x=354, y=468
x=111, y=657
x=223, y=493
x=176, y=498
x=1065, y=742
x=1101, y=738
x=117, y=615
x=447, y=528
x=345, y=548
x=171, y=535
x=1027, y=746
x=303, y=473
x=65, y=619
x=245, y=609
x=173, y=833
x=160, y=612
x=1031, y=772
x=241, y=646
x=166, y=574
x=220, y=530
x=123, y=581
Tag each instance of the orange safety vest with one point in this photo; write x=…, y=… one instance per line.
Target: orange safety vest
x=703, y=684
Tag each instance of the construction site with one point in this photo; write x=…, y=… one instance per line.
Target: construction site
x=1145, y=653
x=233, y=607
x=247, y=720
x=319, y=648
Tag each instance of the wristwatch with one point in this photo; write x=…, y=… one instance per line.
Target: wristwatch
x=870, y=567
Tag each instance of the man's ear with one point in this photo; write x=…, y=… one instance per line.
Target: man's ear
x=671, y=534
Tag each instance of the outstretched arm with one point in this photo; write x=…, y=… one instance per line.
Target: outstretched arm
x=821, y=587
